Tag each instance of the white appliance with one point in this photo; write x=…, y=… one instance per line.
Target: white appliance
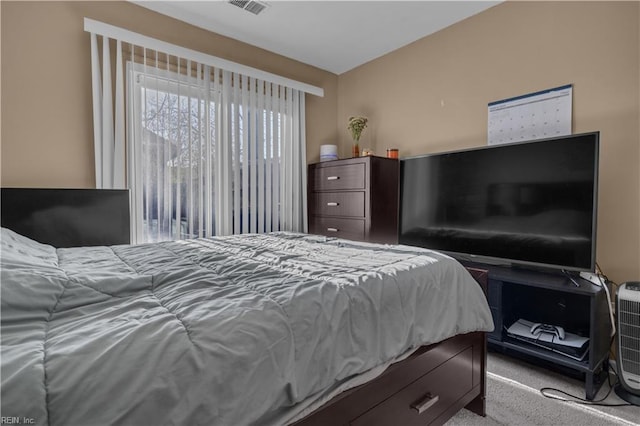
x=628, y=347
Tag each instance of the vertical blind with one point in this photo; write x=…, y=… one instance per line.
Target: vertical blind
x=210, y=151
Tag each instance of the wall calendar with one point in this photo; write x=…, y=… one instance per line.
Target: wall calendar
x=538, y=115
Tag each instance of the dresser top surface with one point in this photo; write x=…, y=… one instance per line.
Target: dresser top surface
x=353, y=160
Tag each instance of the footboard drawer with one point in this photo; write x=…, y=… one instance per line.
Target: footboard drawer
x=427, y=398
x=452, y=370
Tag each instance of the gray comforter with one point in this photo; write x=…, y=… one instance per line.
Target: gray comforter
x=236, y=330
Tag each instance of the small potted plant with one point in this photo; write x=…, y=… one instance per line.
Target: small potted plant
x=356, y=126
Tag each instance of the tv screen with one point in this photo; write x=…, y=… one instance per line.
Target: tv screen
x=531, y=203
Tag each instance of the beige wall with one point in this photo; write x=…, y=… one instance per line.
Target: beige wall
x=432, y=95
x=429, y=96
x=47, y=131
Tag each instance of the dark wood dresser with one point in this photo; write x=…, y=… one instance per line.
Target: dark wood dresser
x=355, y=198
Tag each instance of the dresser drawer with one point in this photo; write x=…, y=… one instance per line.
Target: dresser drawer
x=349, y=204
x=351, y=229
x=426, y=394
x=348, y=176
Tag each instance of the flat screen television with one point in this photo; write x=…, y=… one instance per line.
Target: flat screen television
x=522, y=204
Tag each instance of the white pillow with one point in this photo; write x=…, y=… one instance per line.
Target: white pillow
x=16, y=248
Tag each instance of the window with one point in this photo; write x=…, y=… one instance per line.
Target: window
x=174, y=128
x=206, y=153
x=210, y=147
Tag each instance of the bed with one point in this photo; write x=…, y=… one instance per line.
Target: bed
x=265, y=329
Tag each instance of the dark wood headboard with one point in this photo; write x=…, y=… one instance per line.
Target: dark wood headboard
x=68, y=217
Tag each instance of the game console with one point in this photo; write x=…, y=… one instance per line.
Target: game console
x=548, y=337
x=538, y=328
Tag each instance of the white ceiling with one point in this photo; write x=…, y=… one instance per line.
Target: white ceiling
x=335, y=36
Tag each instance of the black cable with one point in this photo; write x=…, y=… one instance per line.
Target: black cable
x=583, y=401
x=579, y=400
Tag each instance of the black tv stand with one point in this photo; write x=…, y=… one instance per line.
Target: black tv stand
x=557, y=298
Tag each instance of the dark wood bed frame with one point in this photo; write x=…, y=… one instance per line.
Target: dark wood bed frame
x=428, y=387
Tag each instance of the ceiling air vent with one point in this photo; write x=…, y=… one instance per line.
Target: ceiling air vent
x=252, y=6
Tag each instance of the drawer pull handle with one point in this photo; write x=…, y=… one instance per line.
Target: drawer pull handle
x=332, y=229
x=333, y=177
x=332, y=204
x=425, y=403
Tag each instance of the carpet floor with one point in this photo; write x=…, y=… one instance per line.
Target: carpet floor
x=513, y=398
